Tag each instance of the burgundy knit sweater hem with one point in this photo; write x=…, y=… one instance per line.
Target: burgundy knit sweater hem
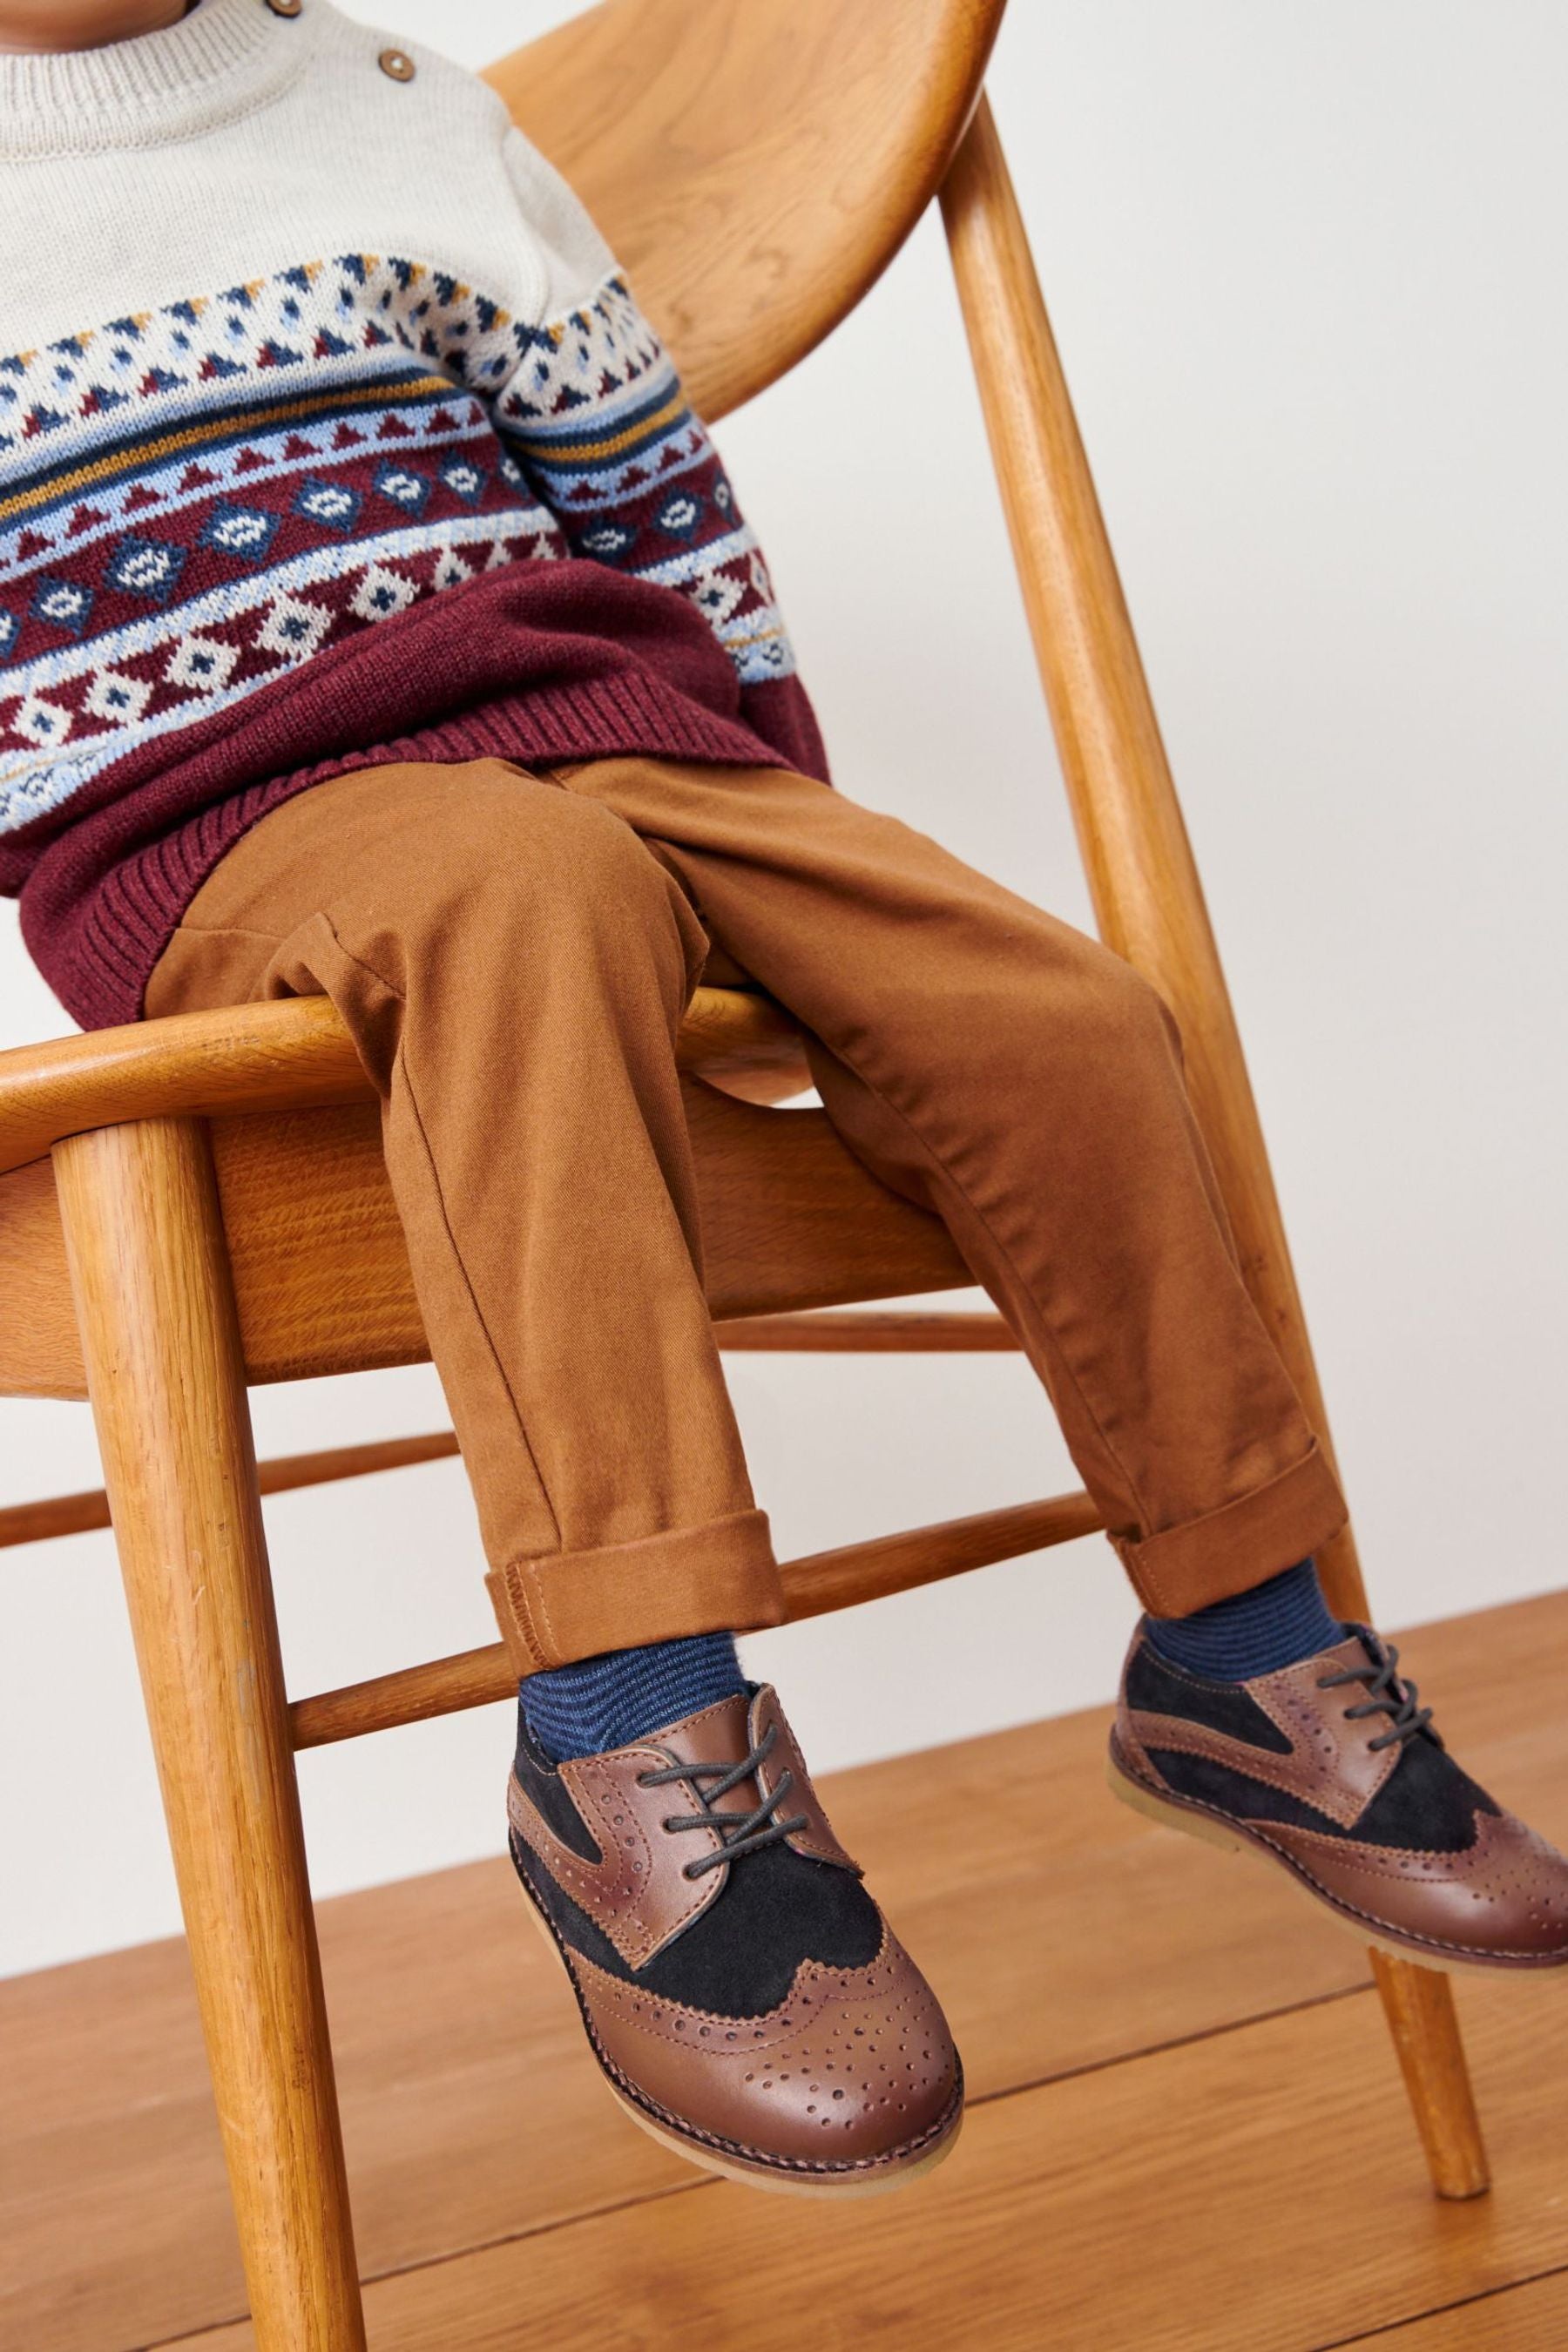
x=544, y=663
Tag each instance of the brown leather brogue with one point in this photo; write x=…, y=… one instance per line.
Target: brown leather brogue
x=744, y=1997
x=1331, y=1770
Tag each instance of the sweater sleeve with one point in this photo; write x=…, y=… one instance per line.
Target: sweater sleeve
x=594, y=417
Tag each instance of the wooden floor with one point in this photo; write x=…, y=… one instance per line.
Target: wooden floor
x=1185, y=2133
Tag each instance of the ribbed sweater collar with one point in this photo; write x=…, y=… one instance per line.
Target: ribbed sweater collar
x=229, y=58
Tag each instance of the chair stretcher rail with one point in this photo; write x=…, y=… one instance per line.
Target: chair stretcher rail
x=824, y=1334
x=822, y=1582
x=73, y=1515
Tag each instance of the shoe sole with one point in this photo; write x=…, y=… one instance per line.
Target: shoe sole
x=1194, y=1820
x=761, y=2174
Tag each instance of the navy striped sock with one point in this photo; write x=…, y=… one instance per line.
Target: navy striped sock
x=1275, y=1624
x=604, y=1702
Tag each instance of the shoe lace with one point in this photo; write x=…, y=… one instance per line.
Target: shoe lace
x=1387, y=1693
x=753, y=1830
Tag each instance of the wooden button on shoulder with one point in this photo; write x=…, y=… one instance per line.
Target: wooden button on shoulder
x=286, y=7
x=397, y=63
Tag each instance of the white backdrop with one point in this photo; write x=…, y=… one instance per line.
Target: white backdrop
x=1306, y=266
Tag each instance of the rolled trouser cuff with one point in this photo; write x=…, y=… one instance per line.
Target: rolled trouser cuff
x=718, y=1578
x=1242, y=1544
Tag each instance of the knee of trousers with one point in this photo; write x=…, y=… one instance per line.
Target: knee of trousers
x=512, y=870
x=1089, y=1008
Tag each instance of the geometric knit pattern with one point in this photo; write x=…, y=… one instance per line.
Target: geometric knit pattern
x=198, y=499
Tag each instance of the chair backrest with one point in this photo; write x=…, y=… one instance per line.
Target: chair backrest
x=754, y=164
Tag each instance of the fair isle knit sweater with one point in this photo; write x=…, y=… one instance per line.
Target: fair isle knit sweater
x=329, y=435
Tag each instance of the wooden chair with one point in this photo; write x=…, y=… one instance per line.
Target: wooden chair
x=199, y=1204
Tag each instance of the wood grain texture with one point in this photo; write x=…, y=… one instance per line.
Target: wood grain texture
x=75, y=1514
x=150, y=1277
x=905, y=1332
x=1418, y=2004
x=280, y=1057
x=296, y=1054
x=840, y=1579
x=852, y=1573
x=320, y=1267
x=1148, y=900
x=742, y=1043
x=1208, y=2197
x=40, y=1354
x=755, y=164
x=1532, y=2318
x=1063, y=1934
x=791, y=1220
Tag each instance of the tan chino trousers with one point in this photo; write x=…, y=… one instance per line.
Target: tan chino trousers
x=512, y=951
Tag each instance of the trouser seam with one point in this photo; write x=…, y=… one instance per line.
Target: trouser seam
x=227, y=931
x=401, y=1064
x=472, y=1295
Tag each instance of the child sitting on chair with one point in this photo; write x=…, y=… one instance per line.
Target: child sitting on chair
x=377, y=620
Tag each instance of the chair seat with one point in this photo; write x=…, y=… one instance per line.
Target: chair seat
x=790, y=1219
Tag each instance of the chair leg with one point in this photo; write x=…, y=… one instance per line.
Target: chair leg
x=155, y=1305
x=1418, y=2005
x=1150, y=902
